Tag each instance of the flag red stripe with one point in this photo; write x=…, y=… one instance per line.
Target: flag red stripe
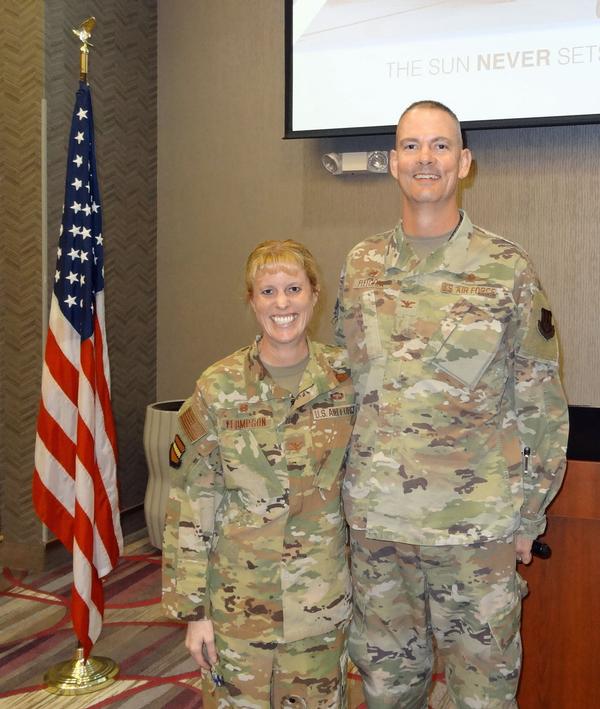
x=52, y=512
x=80, y=614
x=84, y=533
x=56, y=440
x=85, y=447
x=102, y=388
x=97, y=592
x=64, y=373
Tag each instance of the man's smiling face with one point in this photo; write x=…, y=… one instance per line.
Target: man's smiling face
x=429, y=159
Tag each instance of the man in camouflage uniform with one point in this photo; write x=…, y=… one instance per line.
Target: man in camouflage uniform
x=255, y=538
x=460, y=438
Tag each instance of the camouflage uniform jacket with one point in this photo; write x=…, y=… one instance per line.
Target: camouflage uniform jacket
x=455, y=361
x=255, y=536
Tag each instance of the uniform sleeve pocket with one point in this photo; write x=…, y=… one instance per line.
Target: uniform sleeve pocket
x=466, y=343
x=361, y=329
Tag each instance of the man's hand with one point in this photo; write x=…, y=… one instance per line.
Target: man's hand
x=523, y=549
x=200, y=641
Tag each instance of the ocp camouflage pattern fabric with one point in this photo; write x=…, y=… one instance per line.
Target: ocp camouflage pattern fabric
x=255, y=537
x=455, y=362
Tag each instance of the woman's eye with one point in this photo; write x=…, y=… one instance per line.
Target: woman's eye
x=266, y=291
x=294, y=289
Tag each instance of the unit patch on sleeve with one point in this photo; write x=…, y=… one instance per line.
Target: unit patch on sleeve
x=540, y=341
x=545, y=325
x=176, y=452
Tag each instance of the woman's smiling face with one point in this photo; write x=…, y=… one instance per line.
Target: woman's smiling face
x=283, y=303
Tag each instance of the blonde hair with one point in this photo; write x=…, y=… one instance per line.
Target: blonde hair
x=285, y=255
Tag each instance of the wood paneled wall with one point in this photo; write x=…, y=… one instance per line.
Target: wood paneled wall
x=560, y=627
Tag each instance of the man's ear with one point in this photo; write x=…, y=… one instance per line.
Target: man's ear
x=394, y=164
x=466, y=157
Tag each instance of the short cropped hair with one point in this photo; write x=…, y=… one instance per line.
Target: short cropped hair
x=281, y=255
x=429, y=103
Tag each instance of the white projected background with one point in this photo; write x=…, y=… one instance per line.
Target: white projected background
x=357, y=63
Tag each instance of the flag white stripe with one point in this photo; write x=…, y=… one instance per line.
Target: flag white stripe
x=54, y=477
x=101, y=320
x=82, y=579
x=84, y=490
x=58, y=405
x=68, y=339
x=101, y=558
x=86, y=402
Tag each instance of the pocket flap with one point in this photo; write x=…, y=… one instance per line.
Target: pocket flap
x=466, y=343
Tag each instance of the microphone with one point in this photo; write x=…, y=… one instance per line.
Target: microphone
x=541, y=550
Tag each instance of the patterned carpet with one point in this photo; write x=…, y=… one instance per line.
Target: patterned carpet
x=155, y=670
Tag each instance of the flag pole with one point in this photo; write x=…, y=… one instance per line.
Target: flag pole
x=81, y=674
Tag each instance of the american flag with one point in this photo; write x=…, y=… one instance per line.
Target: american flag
x=74, y=481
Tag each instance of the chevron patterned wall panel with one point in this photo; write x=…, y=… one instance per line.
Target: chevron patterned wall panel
x=39, y=56
x=122, y=75
x=21, y=86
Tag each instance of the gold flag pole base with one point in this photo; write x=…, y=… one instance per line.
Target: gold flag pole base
x=80, y=676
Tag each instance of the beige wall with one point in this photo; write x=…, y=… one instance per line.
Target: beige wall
x=226, y=180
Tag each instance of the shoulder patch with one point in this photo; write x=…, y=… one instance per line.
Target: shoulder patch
x=540, y=341
x=176, y=452
x=545, y=325
x=191, y=424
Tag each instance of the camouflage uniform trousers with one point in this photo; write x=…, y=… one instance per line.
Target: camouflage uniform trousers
x=305, y=674
x=467, y=597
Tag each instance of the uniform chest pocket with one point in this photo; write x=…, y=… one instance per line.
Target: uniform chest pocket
x=250, y=454
x=361, y=328
x=331, y=431
x=466, y=343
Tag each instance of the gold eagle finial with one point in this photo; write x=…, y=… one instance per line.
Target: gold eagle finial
x=84, y=31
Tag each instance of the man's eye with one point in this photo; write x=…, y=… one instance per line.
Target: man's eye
x=442, y=146
x=409, y=146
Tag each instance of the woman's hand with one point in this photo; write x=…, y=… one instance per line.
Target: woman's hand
x=200, y=641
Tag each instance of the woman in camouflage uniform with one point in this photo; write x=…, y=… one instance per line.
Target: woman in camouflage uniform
x=254, y=554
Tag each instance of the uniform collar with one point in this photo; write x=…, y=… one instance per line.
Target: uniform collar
x=451, y=257
x=317, y=378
